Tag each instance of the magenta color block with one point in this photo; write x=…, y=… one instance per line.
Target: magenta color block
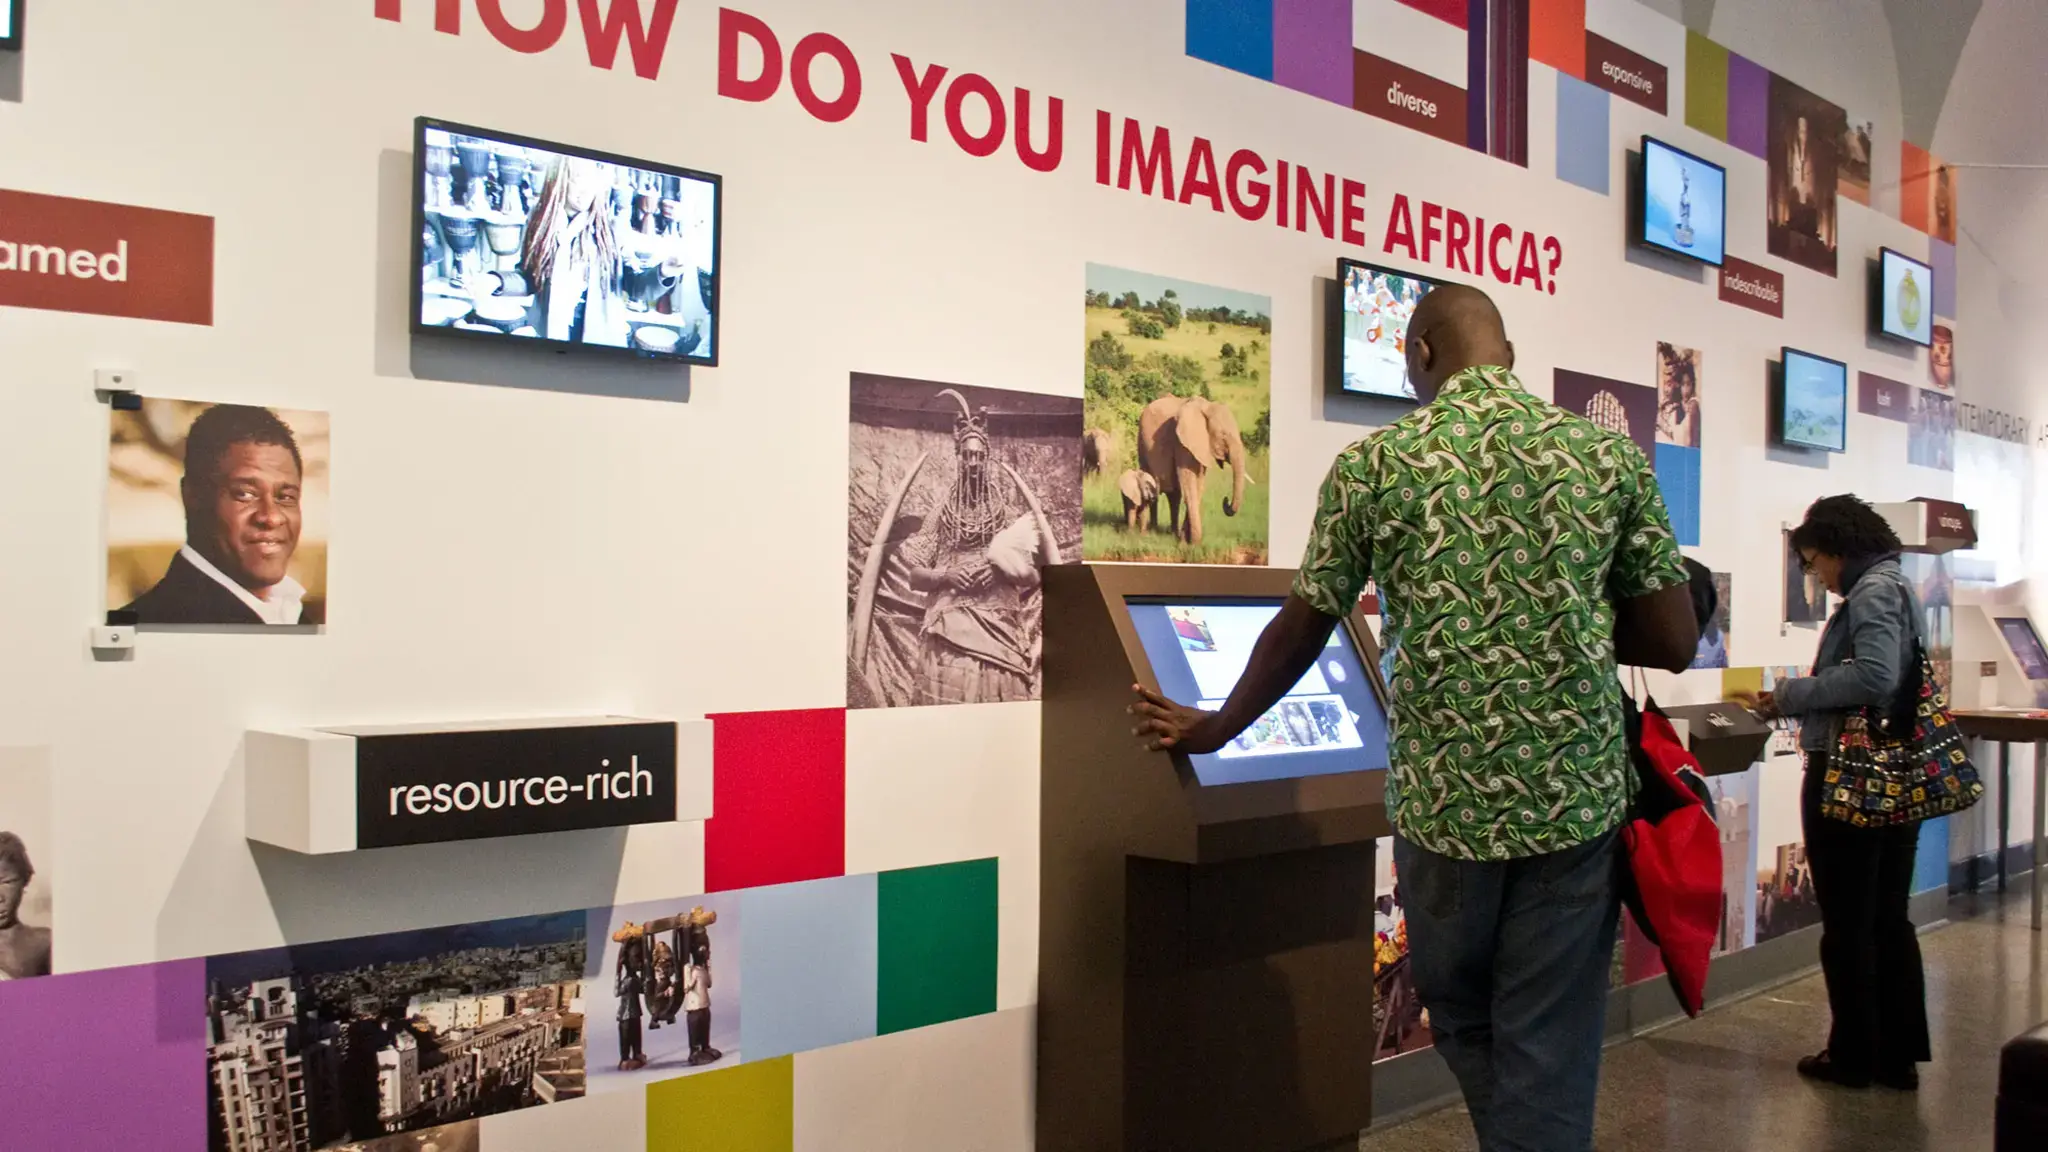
x=1749, y=103
x=106, y=1061
x=1312, y=47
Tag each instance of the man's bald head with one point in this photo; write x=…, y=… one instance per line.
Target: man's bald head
x=1455, y=327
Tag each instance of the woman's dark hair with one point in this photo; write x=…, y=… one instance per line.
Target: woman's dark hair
x=1845, y=526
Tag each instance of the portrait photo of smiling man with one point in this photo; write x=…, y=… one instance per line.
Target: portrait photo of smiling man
x=216, y=515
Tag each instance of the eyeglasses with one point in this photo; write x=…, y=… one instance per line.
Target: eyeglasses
x=1805, y=562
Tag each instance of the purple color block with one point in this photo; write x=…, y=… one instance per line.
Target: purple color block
x=106, y=1061
x=1749, y=102
x=1942, y=257
x=1312, y=48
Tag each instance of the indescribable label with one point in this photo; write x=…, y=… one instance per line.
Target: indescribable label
x=1753, y=287
x=433, y=787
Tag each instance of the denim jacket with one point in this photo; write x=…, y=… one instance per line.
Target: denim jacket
x=1867, y=655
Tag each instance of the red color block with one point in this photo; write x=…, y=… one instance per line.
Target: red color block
x=778, y=796
x=1557, y=35
x=1453, y=12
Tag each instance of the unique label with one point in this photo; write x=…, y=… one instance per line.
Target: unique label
x=1753, y=287
x=69, y=255
x=1950, y=522
x=1877, y=396
x=432, y=787
x=1629, y=75
x=1417, y=100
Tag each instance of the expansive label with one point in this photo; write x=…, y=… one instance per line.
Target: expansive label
x=70, y=255
x=1417, y=100
x=426, y=788
x=1629, y=75
x=1753, y=287
x=1877, y=396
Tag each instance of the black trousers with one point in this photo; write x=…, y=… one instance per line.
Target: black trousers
x=700, y=1028
x=1869, y=951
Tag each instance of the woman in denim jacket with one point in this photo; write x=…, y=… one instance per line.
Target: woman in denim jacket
x=1862, y=877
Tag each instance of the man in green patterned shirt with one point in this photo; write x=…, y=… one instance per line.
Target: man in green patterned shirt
x=1520, y=553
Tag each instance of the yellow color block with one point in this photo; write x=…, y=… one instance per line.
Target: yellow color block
x=748, y=1108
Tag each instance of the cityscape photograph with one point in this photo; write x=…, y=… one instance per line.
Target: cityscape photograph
x=341, y=1043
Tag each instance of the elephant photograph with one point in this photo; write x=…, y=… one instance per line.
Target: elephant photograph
x=957, y=497
x=1178, y=390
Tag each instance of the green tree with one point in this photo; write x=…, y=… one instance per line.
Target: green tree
x=1260, y=437
x=1106, y=351
x=1145, y=327
x=1169, y=312
x=1144, y=386
x=1130, y=300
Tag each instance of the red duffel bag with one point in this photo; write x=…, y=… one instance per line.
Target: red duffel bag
x=1672, y=885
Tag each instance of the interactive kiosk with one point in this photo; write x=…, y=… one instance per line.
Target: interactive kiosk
x=2001, y=640
x=1206, y=922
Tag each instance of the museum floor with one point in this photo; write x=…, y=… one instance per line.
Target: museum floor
x=1725, y=1081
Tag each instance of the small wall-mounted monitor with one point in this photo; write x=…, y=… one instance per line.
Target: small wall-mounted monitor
x=1334, y=719
x=1903, y=300
x=520, y=241
x=1684, y=205
x=1813, y=402
x=10, y=24
x=1372, y=331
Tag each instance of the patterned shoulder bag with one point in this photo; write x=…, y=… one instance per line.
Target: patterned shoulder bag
x=1895, y=765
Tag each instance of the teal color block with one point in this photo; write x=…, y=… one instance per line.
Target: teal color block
x=938, y=944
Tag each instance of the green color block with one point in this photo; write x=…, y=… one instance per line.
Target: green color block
x=1706, y=86
x=938, y=945
x=748, y=1108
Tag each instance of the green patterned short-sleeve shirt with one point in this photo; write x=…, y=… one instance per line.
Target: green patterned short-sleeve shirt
x=1500, y=530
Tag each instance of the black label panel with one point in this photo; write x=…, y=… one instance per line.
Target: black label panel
x=433, y=787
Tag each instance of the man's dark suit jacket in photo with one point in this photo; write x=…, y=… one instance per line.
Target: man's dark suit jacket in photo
x=188, y=596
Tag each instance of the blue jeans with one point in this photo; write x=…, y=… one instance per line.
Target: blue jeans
x=1512, y=959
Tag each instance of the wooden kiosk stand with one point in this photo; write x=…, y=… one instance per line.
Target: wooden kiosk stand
x=1205, y=949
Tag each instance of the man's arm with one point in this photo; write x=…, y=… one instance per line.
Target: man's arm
x=1285, y=651
x=1657, y=630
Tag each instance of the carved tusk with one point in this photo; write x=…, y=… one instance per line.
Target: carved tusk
x=1051, y=550
x=871, y=570
x=964, y=409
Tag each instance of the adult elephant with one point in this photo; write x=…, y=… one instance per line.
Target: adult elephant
x=1098, y=451
x=1181, y=440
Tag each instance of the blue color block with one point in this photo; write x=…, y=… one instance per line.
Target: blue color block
x=1584, y=155
x=1942, y=258
x=811, y=966
x=1678, y=474
x=1237, y=34
x=1930, y=867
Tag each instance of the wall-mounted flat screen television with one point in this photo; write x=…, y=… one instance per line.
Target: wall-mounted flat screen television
x=1813, y=402
x=1332, y=721
x=10, y=24
x=1372, y=337
x=523, y=241
x=1904, y=299
x=1685, y=204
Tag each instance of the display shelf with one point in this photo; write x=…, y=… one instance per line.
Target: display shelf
x=342, y=789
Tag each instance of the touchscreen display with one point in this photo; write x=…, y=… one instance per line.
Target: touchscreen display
x=2026, y=646
x=1332, y=720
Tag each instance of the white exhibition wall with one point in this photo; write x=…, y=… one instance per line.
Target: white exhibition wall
x=512, y=537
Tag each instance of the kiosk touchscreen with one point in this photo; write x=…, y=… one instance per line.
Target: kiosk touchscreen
x=1206, y=921
x=1332, y=721
x=2000, y=639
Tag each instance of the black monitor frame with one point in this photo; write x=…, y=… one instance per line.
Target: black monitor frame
x=1335, y=368
x=1877, y=310
x=1640, y=217
x=417, y=289
x=18, y=10
x=1780, y=395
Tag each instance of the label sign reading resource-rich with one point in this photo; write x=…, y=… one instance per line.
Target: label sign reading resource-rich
x=1753, y=287
x=69, y=255
x=432, y=787
x=1629, y=75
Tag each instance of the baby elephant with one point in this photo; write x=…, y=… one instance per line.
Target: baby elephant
x=1140, y=491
